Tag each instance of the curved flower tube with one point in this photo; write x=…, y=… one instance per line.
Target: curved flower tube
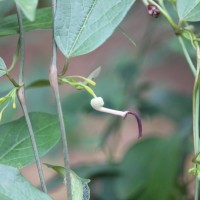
x=97, y=103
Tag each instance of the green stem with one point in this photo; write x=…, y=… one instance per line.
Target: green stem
x=167, y=16
x=196, y=102
x=121, y=30
x=12, y=80
x=187, y=56
x=32, y=136
x=53, y=77
x=196, y=115
x=196, y=188
x=21, y=44
x=21, y=98
x=66, y=65
x=145, y=2
x=15, y=57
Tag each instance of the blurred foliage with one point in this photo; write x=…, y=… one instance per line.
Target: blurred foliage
x=152, y=168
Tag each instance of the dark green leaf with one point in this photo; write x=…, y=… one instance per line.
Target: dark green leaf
x=95, y=171
x=188, y=10
x=28, y=7
x=81, y=27
x=149, y=169
x=9, y=25
x=38, y=83
x=15, y=145
x=6, y=6
x=172, y=104
x=13, y=186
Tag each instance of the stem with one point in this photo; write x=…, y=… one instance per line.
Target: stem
x=21, y=98
x=21, y=44
x=66, y=65
x=53, y=77
x=196, y=116
x=145, y=2
x=15, y=57
x=170, y=20
x=121, y=30
x=187, y=56
x=196, y=188
x=54, y=84
x=12, y=80
x=32, y=136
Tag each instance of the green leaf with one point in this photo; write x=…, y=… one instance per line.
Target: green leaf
x=172, y=104
x=9, y=25
x=80, y=189
x=81, y=27
x=15, y=145
x=154, y=172
x=3, y=67
x=5, y=7
x=94, y=74
x=188, y=10
x=13, y=186
x=28, y=7
x=39, y=83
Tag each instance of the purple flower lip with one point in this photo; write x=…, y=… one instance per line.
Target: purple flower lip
x=139, y=121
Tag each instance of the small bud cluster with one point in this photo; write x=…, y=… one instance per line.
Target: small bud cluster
x=153, y=10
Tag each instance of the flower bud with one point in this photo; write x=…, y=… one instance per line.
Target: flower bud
x=97, y=103
x=153, y=10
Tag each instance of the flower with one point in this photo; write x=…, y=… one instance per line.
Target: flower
x=97, y=103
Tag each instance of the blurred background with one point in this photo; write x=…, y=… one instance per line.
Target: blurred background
x=152, y=78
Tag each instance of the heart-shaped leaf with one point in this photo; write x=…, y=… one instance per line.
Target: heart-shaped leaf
x=28, y=7
x=13, y=186
x=82, y=26
x=15, y=145
x=188, y=10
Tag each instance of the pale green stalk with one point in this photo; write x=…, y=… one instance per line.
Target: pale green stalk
x=187, y=56
x=53, y=77
x=167, y=16
x=196, y=115
x=21, y=98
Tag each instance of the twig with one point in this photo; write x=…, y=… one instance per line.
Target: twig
x=21, y=98
x=53, y=77
x=187, y=56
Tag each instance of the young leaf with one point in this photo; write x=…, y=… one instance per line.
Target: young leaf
x=94, y=74
x=28, y=7
x=13, y=186
x=39, y=83
x=9, y=25
x=81, y=27
x=3, y=67
x=188, y=10
x=15, y=145
x=80, y=189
